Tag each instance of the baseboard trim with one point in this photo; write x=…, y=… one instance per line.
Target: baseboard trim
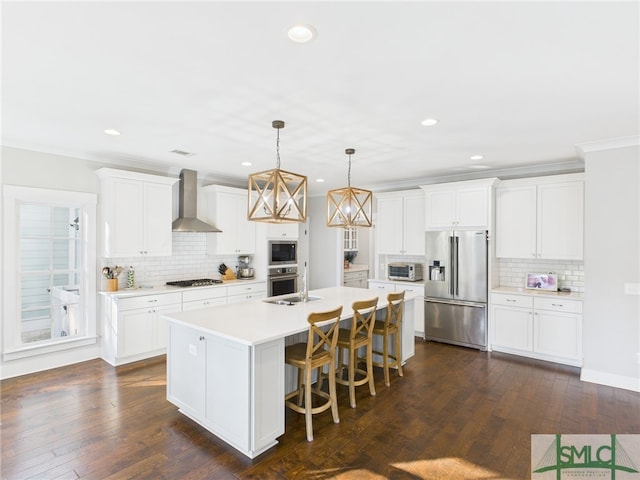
x=610, y=379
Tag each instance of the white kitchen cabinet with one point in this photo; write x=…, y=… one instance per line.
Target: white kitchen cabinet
x=350, y=239
x=548, y=328
x=541, y=218
x=216, y=382
x=283, y=230
x=226, y=208
x=136, y=213
x=249, y=291
x=193, y=299
x=133, y=327
x=459, y=204
x=400, y=223
x=386, y=286
x=357, y=278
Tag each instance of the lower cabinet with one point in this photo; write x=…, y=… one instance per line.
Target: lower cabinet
x=213, y=381
x=356, y=279
x=242, y=293
x=133, y=327
x=413, y=289
x=540, y=327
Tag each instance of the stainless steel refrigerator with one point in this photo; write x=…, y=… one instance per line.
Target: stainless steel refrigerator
x=456, y=288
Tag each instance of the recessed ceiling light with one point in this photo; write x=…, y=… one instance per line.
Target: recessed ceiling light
x=427, y=122
x=320, y=180
x=301, y=33
x=111, y=131
x=182, y=153
x=246, y=164
x=477, y=157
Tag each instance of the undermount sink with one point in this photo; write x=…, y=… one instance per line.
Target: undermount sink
x=290, y=300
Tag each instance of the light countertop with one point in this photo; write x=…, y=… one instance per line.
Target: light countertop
x=140, y=291
x=537, y=293
x=255, y=321
x=356, y=268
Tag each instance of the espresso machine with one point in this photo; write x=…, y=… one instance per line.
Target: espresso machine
x=244, y=270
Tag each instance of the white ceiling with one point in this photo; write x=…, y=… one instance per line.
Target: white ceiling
x=519, y=83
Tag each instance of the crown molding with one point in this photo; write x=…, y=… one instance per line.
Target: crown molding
x=608, y=144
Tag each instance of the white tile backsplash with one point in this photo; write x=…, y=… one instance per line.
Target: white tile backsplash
x=512, y=272
x=188, y=261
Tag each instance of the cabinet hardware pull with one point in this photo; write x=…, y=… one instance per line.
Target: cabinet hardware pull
x=557, y=305
x=201, y=337
x=510, y=300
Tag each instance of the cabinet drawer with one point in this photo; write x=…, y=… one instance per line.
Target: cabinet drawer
x=512, y=300
x=419, y=291
x=352, y=276
x=246, y=289
x=204, y=293
x=149, y=301
x=558, y=305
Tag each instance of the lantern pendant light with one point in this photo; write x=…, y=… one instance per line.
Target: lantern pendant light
x=350, y=206
x=277, y=196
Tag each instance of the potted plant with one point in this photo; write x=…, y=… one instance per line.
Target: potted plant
x=349, y=257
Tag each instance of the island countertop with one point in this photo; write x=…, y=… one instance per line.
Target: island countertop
x=256, y=321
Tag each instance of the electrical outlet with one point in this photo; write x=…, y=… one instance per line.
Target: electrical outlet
x=193, y=350
x=632, y=288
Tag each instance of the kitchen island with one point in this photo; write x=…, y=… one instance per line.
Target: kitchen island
x=225, y=364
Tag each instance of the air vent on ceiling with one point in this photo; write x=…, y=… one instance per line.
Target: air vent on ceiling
x=182, y=152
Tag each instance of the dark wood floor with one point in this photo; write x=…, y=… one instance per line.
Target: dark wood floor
x=457, y=413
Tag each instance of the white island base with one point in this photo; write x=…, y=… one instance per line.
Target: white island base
x=225, y=364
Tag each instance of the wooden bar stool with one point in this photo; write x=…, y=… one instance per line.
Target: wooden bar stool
x=351, y=340
x=315, y=354
x=391, y=325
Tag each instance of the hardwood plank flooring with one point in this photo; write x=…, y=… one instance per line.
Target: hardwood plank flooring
x=457, y=413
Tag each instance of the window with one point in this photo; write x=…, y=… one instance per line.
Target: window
x=50, y=270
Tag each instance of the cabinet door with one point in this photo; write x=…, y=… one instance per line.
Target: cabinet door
x=389, y=225
x=472, y=208
x=440, y=209
x=156, y=219
x=124, y=226
x=512, y=328
x=245, y=229
x=516, y=222
x=282, y=230
x=413, y=231
x=558, y=334
x=560, y=221
x=135, y=332
x=186, y=367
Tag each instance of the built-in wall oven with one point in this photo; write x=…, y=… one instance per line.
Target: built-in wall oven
x=282, y=280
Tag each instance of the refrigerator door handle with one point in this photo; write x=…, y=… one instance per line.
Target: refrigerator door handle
x=457, y=245
x=451, y=266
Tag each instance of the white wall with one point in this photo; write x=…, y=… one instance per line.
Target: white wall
x=325, y=247
x=611, y=329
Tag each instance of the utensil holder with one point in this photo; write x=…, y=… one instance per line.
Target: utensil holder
x=112, y=284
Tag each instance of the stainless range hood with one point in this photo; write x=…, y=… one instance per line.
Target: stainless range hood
x=188, y=206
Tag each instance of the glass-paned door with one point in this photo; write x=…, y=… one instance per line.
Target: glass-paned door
x=50, y=272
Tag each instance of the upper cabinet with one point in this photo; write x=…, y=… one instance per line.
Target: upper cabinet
x=459, y=205
x=541, y=218
x=136, y=213
x=400, y=223
x=283, y=230
x=226, y=208
x=350, y=239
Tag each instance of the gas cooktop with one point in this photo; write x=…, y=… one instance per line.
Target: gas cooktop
x=198, y=282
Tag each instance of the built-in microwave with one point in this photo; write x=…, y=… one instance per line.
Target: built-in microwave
x=411, y=272
x=282, y=252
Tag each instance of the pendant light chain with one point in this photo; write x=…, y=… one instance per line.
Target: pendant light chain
x=349, y=173
x=278, y=148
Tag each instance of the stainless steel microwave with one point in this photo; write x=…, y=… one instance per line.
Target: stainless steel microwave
x=283, y=252
x=410, y=272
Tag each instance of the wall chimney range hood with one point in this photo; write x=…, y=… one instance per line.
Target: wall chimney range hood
x=188, y=206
